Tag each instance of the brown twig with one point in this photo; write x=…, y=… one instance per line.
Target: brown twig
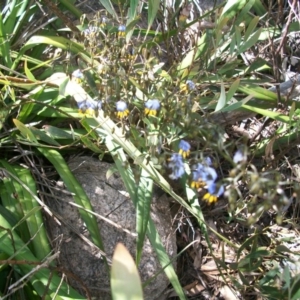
x=285, y=32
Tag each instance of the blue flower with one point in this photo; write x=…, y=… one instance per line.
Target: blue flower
x=213, y=192
x=103, y=22
x=77, y=75
x=203, y=175
x=177, y=166
x=131, y=53
x=188, y=86
x=197, y=181
x=207, y=161
x=89, y=107
x=121, y=29
x=90, y=30
x=122, y=110
x=151, y=107
x=184, y=148
x=239, y=156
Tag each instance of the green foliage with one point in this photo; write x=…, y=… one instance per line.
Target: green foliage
x=23, y=237
x=47, y=112
x=125, y=280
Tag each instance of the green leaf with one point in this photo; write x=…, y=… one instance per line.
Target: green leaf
x=42, y=136
x=25, y=131
x=109, y=7
x=56, y=41
x=28, y=73
x=286, y=276
x=74, y=187
x=250, y=42
x=32, y=213
x=125, y=280
x=232, y=7
x=259, y=8
x=245, y=16
x=282, y=248
x=10, y=18
x=58, y=133
x=132, y=11
x=232, y=90
x=238, y=37
x=130, y=27
x=10, y=192
x=54, y=288
x=193, y=54
x=4, y=45
x=143, y=207
x=245, y=245
x=192, y=198
x=153, y=6
x=243, y=279
x=25, y=207
x=6, y=213
x=186, y=62
x=295, y=287
x=222, y=99
x=294, y=26
x=258, y=93
x=164, y=258
x=268, y=113
x=89, y=144
x=251, y=27
x=71, y=8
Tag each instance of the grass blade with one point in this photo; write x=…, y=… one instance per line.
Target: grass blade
x=4, y=45
x=12, y=245
x=152, y=11
x=164, y=259
x=125, y=279
x=143, y=206
x=140, y=195
x=109, y=7
x=79, y=194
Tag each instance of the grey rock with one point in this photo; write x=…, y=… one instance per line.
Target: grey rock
x=109, y=199
x=206, y=5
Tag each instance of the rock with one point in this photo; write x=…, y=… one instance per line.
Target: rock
x=206, y=5
x=109, y=199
